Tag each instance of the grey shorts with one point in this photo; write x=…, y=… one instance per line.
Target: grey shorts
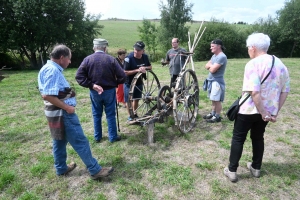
x=215, y=93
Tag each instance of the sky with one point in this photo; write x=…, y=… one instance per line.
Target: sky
x=203, y=10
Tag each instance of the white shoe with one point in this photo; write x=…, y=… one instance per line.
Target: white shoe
x=231, y=175
x=254, y=172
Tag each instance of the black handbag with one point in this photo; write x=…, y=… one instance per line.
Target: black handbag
x=233, y=110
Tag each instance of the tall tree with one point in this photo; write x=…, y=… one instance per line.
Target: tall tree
x=289, y=22
x=33, y=26
x=174, y=17
x=148, y=32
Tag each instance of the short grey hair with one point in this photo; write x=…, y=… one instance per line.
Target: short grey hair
x=99, y=47
x=259, y=40
x=60, y=50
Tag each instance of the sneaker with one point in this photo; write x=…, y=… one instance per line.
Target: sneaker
x=214, y=119
x=208, y=116
x=231, y=175
x=71, y=167
x=105, y=171
x=129, y=119
x=136, y=116
x=254, y=172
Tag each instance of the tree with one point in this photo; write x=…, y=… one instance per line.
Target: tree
x=233, y=37
x=33, y=26
x=271, y=27
x=289, y=22
x=148, y=34
x=174, y=17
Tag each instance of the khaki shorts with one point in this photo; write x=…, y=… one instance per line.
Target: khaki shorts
x=215, y=93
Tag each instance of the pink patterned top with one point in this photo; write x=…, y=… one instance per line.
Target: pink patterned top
x=278, y=81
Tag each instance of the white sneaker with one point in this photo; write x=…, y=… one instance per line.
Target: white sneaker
x=231, y=175
x=254, y=172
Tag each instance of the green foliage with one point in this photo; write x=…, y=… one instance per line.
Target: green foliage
x=33, y=27
x=174, y=17
x=148, y=32
x=232, y=36
x=289, y=22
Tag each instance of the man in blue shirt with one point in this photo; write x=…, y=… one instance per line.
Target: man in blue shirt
x=60, y=102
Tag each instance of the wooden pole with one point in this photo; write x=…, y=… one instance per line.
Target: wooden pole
x=150, y=132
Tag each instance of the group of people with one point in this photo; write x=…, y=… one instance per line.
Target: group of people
x=102, y=74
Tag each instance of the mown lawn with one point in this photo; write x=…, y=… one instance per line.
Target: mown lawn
x=176, y=166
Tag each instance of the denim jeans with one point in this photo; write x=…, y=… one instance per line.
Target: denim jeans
x=242, y=125
x=106, y=101
x=137, y=92
x=75, y=136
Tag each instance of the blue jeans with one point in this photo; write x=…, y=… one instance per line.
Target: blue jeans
x=75, y=136
x=106, y=101
x=137, y=92
x=242, y=125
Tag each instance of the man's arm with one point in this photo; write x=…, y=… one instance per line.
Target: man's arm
x=82, y=78
x=212, y=68
x=55, y=101
x=120, y=74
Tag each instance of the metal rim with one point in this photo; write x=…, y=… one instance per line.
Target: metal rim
x=148, y=101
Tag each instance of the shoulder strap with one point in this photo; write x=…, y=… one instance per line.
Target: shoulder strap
x=270, y=70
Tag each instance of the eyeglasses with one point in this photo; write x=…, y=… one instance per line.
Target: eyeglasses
x=174, y=42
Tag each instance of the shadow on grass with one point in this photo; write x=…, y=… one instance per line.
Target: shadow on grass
x=284, y=170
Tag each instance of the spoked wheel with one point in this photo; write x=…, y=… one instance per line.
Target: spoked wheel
x=186, y=100
x=164, y=98
x=147, y=84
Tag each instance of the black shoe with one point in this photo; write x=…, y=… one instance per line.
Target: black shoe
x=98, y=141
x=208, y=116
x=136, y=116
x=214, y=119
x=118, y=138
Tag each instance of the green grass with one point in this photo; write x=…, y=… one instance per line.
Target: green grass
x=176, y=166
x=124, y=34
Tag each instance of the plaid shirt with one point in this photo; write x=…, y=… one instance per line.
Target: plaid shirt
x=51, y=80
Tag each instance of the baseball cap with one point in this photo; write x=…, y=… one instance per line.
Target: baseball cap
x=139, y=45
x=218, y=42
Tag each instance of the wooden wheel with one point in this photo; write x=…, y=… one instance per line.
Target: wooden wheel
x=186, y=100
x=147, y=103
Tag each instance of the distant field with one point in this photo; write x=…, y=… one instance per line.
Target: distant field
x=123, y=34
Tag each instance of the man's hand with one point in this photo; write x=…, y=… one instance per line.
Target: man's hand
x=208, y=65
x=70, y=109
x=142, y=70
x=98, y=88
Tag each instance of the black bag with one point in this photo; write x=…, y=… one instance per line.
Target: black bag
x=233, y=110
x=235, y=107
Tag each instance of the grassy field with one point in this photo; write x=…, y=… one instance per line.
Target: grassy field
x=176, y=166
x=126, y=33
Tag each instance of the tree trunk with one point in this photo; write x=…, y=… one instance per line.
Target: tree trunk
x=294, y=45
x=33, y=61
